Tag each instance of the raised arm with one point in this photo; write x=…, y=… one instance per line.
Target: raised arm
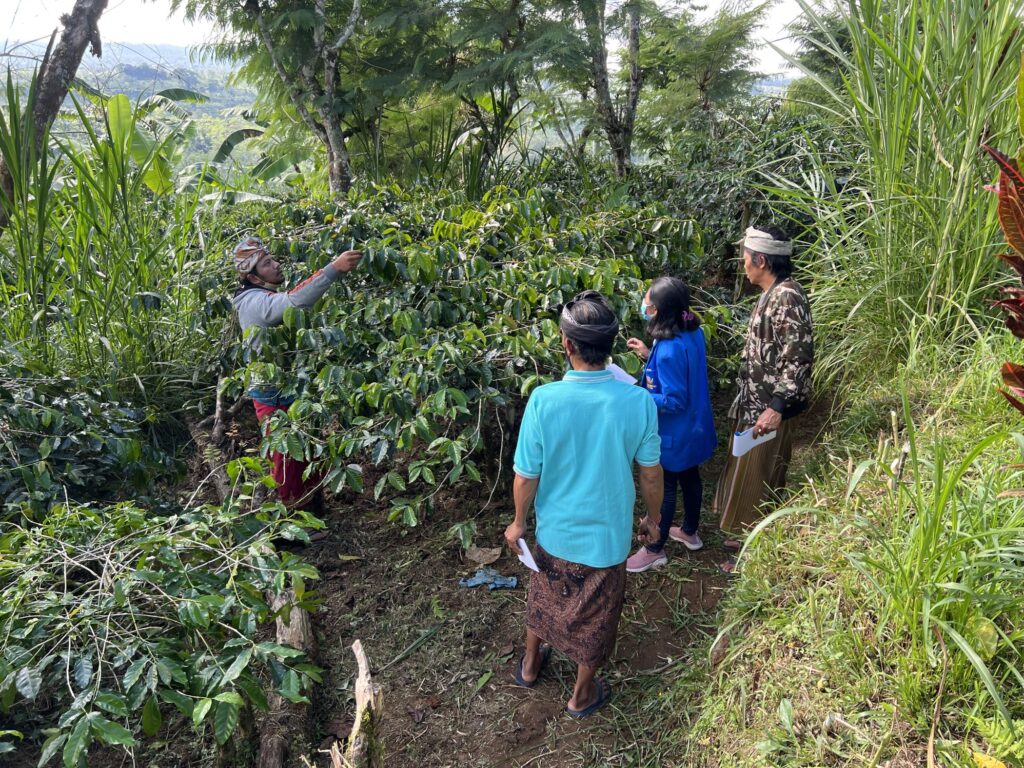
x=267, y=308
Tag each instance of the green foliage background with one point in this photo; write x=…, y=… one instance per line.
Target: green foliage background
x=898, y=569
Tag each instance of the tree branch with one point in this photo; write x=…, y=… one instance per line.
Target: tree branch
x=636, y=76
x=350, y=26
x=293, y=91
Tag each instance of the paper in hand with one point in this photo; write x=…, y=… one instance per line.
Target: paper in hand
x=742, y=442
x=526, y=558
x=619, y=374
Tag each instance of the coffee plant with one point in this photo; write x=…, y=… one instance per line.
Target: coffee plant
x=419, y=361
x=115, y=618
x=63, y=438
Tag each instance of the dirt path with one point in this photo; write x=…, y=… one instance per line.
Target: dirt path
x=451, y=701
x=445, y=655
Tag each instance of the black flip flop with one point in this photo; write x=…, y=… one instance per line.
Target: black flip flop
x=604, y=694
x=545, y=656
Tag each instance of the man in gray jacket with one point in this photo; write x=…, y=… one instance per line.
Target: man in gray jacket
x=260, y=304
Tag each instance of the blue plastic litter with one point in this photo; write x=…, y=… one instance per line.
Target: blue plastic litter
x=491, y=578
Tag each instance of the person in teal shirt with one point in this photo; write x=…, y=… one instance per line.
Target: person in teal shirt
x=574, y=459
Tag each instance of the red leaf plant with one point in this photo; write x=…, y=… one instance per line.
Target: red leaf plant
x=1011, y=218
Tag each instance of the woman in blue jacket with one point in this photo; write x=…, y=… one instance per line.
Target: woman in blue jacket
x=676, y=375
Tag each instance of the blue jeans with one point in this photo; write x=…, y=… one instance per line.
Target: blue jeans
x=688, y=481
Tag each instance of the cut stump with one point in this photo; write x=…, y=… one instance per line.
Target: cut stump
x=364, y=749
x=285, y=718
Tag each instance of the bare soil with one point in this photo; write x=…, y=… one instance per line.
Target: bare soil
x=452, y=701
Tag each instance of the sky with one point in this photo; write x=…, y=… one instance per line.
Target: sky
x=138, y=22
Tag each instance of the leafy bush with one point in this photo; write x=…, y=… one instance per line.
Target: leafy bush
x=427, y=350
x=63, y=439
x=110, y=614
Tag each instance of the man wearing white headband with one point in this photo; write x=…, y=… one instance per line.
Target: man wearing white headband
x=260, y=304
x=774, y=381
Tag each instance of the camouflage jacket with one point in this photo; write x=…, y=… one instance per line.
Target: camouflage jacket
x=775, y=371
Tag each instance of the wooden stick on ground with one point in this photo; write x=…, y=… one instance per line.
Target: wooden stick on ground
x=364, y=748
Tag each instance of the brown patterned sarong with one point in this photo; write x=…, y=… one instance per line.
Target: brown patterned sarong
x=576, y=608
x=749, y=481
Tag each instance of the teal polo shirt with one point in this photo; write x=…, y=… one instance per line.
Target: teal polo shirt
x=580, y=436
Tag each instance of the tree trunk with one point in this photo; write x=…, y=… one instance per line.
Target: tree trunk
x=214, y=458
x=58, y=69
x=620, y=151
x=285, y=719
x=339, y=168
x=617, y=127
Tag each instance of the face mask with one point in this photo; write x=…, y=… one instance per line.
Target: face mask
x=643, y=310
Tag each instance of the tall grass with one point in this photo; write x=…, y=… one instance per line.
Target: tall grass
x=944, y=555
x=27, y=253
x=101, y=267
x=888, y=597
x=901, y=232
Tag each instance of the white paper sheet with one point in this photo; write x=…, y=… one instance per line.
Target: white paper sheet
x=527, y=557
x=620, y=374
x=744, y=441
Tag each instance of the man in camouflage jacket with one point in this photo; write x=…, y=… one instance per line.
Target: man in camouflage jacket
x=775, y=368
x=774, y=379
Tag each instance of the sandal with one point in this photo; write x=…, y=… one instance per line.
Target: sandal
x=727, y=567
x=604, y=694
x=733, y=545
x=545, y=656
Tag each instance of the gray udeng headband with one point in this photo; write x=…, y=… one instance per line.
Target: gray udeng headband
x=762, y=242
x=597, y=335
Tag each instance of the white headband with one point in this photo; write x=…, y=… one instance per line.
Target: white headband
x=762, y=242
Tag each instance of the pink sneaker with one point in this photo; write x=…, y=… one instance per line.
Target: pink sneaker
x=689, y=540
x=643, y=560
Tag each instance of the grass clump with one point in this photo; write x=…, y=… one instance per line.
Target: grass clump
x=879, y=615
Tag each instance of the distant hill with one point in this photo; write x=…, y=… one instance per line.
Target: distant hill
x=166, y=57
x=771, y=86
x=141, y=70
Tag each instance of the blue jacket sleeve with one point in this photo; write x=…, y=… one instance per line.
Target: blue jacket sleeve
x=672, y=379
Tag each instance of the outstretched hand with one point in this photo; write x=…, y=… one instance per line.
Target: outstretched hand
x=347, y=261
x=639, y=347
